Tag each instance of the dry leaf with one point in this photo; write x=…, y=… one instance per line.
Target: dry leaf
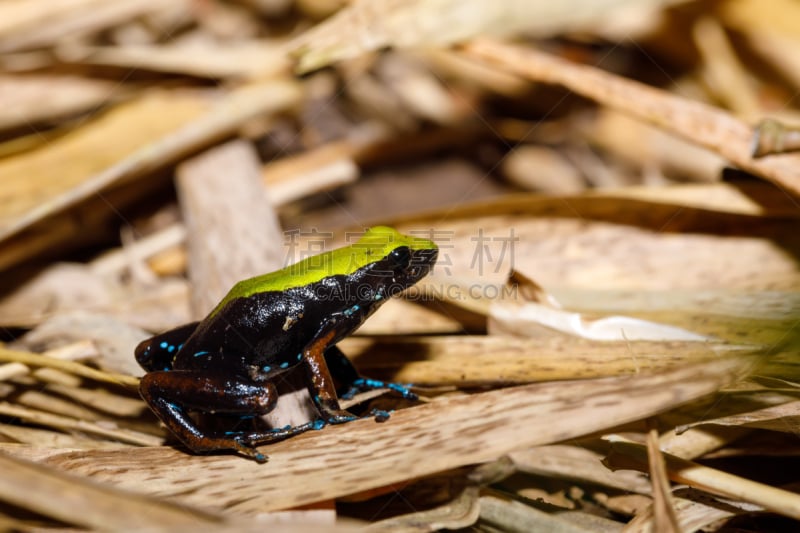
x=462, y=430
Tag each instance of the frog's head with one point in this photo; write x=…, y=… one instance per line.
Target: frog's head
x=400, y=260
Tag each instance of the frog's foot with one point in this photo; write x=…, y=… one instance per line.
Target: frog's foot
x=365, y=384
x=249, y=451
x=246, y=441
x=334, y=416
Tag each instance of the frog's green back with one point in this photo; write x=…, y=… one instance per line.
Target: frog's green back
x=374, y=245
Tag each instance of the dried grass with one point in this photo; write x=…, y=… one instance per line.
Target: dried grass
x=609, y=340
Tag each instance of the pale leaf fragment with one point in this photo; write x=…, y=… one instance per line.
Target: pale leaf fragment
x=519, y=318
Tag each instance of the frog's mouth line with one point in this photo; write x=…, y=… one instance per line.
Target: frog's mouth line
x=421, y=263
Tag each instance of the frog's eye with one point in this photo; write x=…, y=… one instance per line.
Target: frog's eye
x=400, y=257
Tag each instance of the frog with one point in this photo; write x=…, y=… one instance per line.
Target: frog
x=227, y=363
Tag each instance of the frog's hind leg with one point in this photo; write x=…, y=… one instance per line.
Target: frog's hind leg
x=171, y=394
x=351, y=382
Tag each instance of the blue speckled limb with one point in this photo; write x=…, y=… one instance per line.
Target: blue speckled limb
x=365, y=384
x=250, y=439
x=352, y=382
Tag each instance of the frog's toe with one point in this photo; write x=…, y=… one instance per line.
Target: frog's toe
x=402, y=390
x=248, y=450
x=365, y=384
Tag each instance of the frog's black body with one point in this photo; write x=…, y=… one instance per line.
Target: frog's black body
x=226, y=362
x=237, y=331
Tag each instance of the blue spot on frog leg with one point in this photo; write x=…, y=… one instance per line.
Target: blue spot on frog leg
x=259, y=457
x=352, y=310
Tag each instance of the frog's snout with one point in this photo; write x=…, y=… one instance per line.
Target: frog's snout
x=421, y=263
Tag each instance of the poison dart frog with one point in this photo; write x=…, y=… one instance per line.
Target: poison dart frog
x=226, y=364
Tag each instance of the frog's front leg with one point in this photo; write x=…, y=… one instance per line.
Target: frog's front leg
x=351, y=382
x=321, y=385
x=172, y=393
